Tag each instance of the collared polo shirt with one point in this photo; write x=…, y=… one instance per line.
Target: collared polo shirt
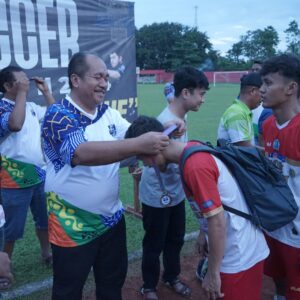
x=236, y=123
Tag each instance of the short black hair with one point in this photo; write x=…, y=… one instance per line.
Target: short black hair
x=7, y=76
x=77, y=65
x=287, y=65
x=257, y=61
x=248, y=81
x=143, y=124
x=189, y=78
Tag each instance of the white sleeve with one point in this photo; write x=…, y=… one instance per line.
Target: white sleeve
x=39, y=110
x=121, y=125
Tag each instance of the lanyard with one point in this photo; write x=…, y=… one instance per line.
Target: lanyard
x=165, y=198
x=158, y=175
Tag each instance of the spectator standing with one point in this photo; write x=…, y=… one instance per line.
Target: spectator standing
x=236, y=122
x=23, y=165
x=164, y=223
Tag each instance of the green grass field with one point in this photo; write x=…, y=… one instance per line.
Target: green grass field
x=201, y=125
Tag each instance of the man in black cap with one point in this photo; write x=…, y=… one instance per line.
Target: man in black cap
x=236, y=123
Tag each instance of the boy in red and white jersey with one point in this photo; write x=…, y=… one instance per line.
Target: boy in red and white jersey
x=281, y=132
x=237, y=248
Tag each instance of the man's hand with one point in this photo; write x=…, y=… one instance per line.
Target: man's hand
x=22, y=86
x=5, y=270
x=41, y=84
x=212, y=285
x=152, y=143
x=181, y=127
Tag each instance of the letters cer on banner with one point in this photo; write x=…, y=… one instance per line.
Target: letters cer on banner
x=41, y=37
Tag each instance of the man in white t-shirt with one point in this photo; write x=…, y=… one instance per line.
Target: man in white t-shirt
x=22, y=161
x=83, y=144
x=237, y=248
x=164, y=223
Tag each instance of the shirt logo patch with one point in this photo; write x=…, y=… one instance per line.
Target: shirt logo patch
x=276, y=144
x=207, y=204
x=112, y=129
x=33, y=112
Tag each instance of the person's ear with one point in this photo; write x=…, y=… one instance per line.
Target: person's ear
x=75, y=80
x=253, y=90
x=185, y=93
x=292, y=88
x=8, y=86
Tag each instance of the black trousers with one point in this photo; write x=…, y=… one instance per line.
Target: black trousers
x=164, y=233
x=107, y=255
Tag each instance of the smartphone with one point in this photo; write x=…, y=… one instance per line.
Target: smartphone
x=170, y=129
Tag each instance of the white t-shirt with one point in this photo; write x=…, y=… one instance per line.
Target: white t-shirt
x=150, y=190
x=24, y=145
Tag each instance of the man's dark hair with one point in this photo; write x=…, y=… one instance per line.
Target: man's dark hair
x=248, y=81
x=257, y=61
x=7, y=76
x=189, y=78
x=287, y=65
x=143, y=124
x=77, y=65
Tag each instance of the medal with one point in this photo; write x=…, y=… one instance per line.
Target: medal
x=165, y=199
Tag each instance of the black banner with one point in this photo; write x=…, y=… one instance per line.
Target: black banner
x=40, y=36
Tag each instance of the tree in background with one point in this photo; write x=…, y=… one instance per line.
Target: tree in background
x=293, y=38
x=260, y=43
x=236, y=52
x=256, y=44
x=171, y=45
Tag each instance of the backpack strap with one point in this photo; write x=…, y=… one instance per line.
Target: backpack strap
x=239, y=213
x=209, y=149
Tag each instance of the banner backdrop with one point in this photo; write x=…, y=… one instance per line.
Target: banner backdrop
x=40, y=36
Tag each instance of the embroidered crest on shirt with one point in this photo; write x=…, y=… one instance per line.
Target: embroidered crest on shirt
x=207, y=204
x=276, y=144
x=33, y=112
x=112, y=129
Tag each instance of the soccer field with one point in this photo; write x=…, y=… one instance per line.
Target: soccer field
x=201, y=125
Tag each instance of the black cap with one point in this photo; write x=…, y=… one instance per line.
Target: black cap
x=251, y=79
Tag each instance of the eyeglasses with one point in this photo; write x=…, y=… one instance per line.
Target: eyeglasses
x=99, y=77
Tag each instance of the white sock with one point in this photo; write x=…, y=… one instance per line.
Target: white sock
x=279, y=297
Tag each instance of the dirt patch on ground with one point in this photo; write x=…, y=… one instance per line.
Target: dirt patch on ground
x=188, y=264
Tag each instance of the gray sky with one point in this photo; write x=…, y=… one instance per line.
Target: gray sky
x=224, y=21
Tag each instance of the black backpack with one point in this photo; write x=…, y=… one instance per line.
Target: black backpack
x=269, y=198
